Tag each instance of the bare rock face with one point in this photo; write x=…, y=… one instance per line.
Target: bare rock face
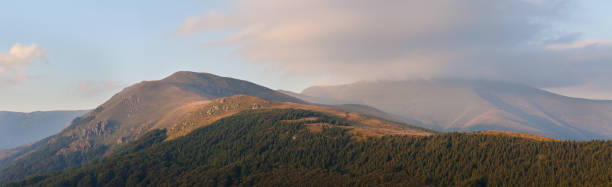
x=122, y=140
x=255, y=106
x=81, y=145
x=99, y=129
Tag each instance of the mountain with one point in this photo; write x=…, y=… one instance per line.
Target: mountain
x=462, y=105
x=17, y=128
x=157, y=104
x=283, y=147
x=172, y=104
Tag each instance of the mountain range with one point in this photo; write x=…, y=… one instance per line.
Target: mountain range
x=468, y=105
x=169, y=104
x=17, y=128
x=199, y=129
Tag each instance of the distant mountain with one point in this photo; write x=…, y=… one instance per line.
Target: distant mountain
x=461, y=105
x=17, y=128
x=296, y=147
x=172, y=104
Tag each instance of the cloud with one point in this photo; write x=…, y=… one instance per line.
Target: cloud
x=592, y=91
x=580, y=44
x=94, y=88
x=353, y=40
x=13, y=63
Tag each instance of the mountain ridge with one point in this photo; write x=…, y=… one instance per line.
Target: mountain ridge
x=153, y=105
x=123, y=118
x=464, y=105
x=22, y=128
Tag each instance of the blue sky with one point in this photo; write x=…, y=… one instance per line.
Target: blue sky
x=122, y=42
x=92, y=49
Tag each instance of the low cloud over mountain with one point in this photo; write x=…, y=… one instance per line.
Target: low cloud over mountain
x=509, y=40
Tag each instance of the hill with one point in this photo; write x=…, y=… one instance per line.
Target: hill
x=453, y=105
x=128, y=115
x=228, y=106
x=277, y=147
x=179, y=103
x=17, y=128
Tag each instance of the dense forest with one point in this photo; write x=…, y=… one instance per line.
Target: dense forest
x=272, y=147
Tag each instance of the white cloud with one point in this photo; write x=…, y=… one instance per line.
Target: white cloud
x=352, y=40
x=13, y=63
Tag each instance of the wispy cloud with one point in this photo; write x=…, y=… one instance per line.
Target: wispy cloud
x=580, y=44
x=13, y=63
x=403, y=39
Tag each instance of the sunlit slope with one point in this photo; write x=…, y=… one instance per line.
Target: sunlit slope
x=150, y=104
x=477, y=105
x=227, y=106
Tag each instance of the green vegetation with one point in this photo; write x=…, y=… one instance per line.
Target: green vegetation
x=264, y=148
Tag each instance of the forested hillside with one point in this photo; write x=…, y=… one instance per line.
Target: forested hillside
x=280, y=147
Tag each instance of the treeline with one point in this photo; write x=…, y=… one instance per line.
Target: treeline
x=262, y=148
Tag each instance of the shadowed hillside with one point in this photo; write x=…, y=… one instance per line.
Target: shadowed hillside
x=17, y=129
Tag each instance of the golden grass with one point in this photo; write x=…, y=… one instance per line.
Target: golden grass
x=317, y=127
x=519, y=135
x=202, y=113
x=179, y=113
x=210, y=112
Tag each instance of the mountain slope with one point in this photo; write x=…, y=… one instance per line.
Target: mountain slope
x=17, y=129
x=151, y=104
x=276, y=147
x=180, y=103
x=477, y=105
x=128, y=115
x=227, y=106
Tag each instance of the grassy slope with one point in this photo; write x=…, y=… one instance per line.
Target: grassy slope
x=227, y=106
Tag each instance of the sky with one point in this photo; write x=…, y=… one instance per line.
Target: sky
x=77, y=54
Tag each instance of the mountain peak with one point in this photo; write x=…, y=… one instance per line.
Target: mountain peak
x=189, y=76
